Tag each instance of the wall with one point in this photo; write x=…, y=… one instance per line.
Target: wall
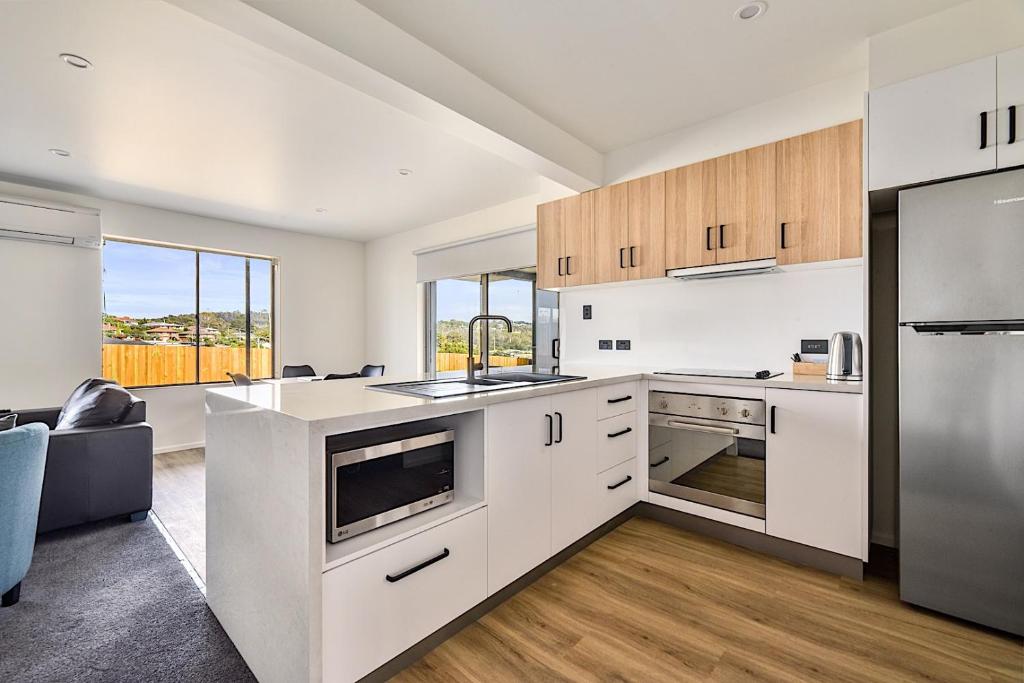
x=963, y=33
x=394, y=301
x=50, y=329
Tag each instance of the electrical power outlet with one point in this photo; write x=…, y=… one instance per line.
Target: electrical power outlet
x=587, y=312
x=604, y=344
x=622, y=345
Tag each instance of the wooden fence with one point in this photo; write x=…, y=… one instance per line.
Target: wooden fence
x=447, y=362
x=140, y=365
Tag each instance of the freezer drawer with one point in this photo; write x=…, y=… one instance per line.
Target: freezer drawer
x=961, y=246
x=962, y=475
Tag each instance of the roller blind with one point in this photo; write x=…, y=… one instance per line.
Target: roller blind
x=506, y=250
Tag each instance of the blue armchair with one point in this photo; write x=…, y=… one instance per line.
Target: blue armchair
x=22, y=462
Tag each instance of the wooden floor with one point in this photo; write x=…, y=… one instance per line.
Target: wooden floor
x=179, y=500
x=649, y=602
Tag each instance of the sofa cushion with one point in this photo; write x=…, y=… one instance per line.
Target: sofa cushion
x=9, y=421
x=80, y=391
x=102, y=405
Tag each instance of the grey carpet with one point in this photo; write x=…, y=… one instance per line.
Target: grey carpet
x=110, y=602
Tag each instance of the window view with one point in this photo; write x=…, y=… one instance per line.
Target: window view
x=456, y=301
x=159, y=330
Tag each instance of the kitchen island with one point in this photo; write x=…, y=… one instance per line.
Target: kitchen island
x=526, y=495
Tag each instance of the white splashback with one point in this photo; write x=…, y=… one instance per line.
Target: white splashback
x=753, y=322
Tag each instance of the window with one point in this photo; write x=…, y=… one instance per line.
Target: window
x=174, y=315
x=453, y=302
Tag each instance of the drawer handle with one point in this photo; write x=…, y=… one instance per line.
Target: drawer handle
x=620, y=400
x=660, y=462
x=627, y=430
x=421, y=565
x=621, y=483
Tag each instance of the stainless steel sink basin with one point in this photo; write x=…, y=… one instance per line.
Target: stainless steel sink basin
x=444, y=388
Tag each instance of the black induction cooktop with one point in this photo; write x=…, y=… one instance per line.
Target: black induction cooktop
x=731, y=374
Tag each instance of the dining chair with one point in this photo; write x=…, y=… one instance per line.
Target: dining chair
x=298, y=371
x=347, y=375
x=239, y=379
x=372, y=371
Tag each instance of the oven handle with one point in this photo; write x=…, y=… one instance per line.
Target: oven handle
x=676, y=424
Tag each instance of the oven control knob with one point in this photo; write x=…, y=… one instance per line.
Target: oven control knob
x=663, y=404
x=745, y=412
x=723, y=410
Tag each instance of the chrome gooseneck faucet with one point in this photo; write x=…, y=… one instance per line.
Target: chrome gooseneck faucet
x=471, y=365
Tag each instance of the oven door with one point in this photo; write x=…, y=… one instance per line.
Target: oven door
x=383, y=483
x=711, y=462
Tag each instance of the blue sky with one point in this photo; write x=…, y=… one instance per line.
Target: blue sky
x=144, y=281
x=460, y=300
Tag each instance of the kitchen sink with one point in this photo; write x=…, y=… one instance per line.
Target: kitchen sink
x=444, y=388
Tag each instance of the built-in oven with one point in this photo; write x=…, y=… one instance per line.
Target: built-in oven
x=381, y=476
x=708, y=450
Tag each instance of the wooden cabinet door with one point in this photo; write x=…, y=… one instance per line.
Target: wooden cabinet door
x=550, y=246
x=745, y=203
x=646, y=206
x=1011, y=94
x=690, y=221
x=815, y=469
x=578, y=239
x=818, y=195
x=929, y=127
x=611, y=236
x=518, y=489
x=573, y=467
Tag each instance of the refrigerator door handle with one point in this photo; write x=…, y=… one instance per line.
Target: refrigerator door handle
x=1001, y=327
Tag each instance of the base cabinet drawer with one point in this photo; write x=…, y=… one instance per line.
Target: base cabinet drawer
x=616, y=399
x=616, y=490
x=377, y=606
x=616, y=441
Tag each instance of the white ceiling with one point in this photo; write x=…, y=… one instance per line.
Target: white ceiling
x=614, y=72
x=181, y=114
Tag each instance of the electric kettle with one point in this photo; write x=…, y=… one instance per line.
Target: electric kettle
x=845, y=357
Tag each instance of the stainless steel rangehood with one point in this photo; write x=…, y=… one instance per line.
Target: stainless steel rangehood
x=767, y=265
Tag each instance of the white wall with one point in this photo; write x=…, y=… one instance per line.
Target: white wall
x=50, y=329
x=963, y=33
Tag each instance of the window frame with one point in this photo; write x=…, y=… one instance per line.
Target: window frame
x=274, y=264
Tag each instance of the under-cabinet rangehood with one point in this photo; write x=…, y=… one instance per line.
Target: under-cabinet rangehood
x=766, y=265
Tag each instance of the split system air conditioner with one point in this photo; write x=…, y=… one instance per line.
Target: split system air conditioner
x=38, y=221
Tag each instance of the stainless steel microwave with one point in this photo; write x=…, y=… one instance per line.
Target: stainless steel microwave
x=381, y=483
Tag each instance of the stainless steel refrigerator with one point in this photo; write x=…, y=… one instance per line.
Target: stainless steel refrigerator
x=961, y=292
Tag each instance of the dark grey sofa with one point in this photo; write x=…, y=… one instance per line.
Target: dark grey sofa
x=94, y=473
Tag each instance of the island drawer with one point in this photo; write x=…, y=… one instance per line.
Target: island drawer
x=377, y=606
x=616, y=440
x=616, y=399
x=616, y=490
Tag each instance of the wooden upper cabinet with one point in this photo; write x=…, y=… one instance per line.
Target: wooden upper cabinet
x=550, y=243
x=745, y=203
x=578, y=239
x=645, y=254
x=611, y=235
x=691, y=237
x=818, y=195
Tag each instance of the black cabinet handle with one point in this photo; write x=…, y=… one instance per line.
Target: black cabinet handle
x=1012, y=109
x=632, y=257
x=660, y=462
x=621, y=483
x=782, y=240
x=554, y=347
x=984, y=130
x=560, y=273
x=422, y=565
x=620, y=399
x=568, y=265
x=551, y=430
x=721, y=236
x=707, y=239
x=627, y=430
x=622, y=256
x=773, y=419
x=559, y=439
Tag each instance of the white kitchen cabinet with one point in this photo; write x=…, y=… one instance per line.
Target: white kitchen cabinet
x=1010, y=66
x=815, y=469
x=616, y=441
x=616, y=490
x=616, y=399
x=383, y=603
x=573, y=467
x=930, y=127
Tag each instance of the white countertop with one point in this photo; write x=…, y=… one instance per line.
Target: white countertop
x=350, y=401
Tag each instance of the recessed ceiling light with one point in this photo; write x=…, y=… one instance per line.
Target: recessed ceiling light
x=404, y=171
x=75, y=61
x=321, y=209
x=751, y=10
x=56, y=151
